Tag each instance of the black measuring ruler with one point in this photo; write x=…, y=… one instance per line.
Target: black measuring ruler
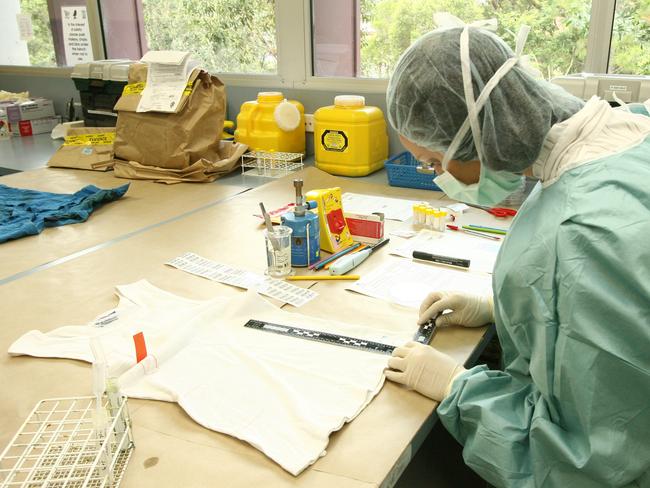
x=423, y=335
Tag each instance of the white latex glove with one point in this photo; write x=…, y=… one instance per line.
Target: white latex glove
x=423, y=369
x=466, y=309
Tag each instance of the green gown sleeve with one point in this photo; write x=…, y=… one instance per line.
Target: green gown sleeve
x=578, y=415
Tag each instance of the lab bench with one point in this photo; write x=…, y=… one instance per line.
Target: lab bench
x=67, y=275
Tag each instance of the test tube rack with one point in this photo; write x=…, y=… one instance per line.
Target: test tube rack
x=271, y=164
x=59, y=445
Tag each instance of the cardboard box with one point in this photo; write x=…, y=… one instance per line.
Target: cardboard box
x=37, y=108
x=89, y=148
x=37, y=126
x=366, y=228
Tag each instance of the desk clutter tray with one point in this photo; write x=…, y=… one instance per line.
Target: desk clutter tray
x=59, y=446
x=402, y=171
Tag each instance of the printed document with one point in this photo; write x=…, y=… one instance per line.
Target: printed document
x=408, y=283
x=481, y=252
x=167, y=76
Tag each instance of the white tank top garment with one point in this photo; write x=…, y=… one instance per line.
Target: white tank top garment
x=594, y=132
x=282, y=395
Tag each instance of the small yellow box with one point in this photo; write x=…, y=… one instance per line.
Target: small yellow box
x=334, y=232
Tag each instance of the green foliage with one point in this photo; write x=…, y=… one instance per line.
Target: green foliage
x=41, y=47
x=390, y=26
x=557, y=43
x=239, y=35
x=226, y=35
x=631, y=38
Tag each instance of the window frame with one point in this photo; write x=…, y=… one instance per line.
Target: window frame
x=295, y=51
x=96, y=38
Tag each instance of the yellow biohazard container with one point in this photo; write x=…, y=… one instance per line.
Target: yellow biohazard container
x=271, y=123
x=350, y=138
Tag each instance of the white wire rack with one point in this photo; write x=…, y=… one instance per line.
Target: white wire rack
x=59, y=446
x=271, y=164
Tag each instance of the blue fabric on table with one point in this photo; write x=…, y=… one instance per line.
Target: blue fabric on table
x=28, y=212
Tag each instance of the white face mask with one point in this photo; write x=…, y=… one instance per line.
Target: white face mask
x=493, y=186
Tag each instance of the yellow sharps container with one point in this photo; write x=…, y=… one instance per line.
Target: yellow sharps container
x=270, y=123
x=350, y=138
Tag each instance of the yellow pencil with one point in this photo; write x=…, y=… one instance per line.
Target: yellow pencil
x=322, y=277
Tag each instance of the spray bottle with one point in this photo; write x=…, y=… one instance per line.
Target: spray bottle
x=305, y=238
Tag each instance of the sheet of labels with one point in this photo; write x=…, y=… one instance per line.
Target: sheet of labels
x=271, y=287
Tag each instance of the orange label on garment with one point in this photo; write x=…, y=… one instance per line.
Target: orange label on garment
x=140, y=347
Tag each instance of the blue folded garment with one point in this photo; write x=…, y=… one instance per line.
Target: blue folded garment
x=27, y=212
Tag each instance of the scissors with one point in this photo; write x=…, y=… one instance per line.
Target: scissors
x=499, y=212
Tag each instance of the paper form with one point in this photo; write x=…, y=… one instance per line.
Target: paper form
x=270, y=287
x=25, y=29
x=408, y=283
x=392, y=208
x=481, y=252
x=167, y=75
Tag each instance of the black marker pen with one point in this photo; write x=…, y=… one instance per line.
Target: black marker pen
x=435, y=258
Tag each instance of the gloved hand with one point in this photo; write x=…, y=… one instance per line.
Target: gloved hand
x=423, y=369
x=467, y=309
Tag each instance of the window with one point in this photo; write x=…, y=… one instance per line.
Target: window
x=45, y=33
x=368, y=36
x=227, y=36
x=630, y=48
x=306, y=43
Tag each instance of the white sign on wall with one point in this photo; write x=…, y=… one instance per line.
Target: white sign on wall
x=25, y=30
x=76, y=35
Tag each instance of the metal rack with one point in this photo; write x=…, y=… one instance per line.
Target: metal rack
x=60, y=445
x=271, y=164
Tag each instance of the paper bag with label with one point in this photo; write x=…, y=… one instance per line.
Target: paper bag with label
x=86, y=148
x=173, y=140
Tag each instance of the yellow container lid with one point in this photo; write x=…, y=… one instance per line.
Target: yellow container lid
x=349, y=101
x=270, y=97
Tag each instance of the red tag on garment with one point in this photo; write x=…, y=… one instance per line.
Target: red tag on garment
x=140, y=347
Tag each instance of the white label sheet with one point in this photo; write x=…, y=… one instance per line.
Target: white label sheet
x=271, y=287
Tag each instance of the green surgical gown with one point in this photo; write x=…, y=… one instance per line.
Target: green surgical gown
x=572, y=309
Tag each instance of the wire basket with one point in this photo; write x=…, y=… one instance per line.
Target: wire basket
x=60, y=446
x=271, y=164
x=402, y=171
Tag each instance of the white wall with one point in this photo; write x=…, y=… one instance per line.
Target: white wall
x=13, y=51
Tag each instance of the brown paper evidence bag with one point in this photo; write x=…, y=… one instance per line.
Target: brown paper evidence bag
x=173, y=147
